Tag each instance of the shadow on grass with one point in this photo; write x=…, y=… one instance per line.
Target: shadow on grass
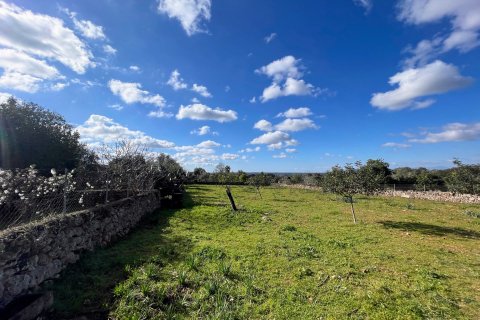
x=431, y=229
x=86, y=288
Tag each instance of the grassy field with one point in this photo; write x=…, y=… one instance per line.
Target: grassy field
x=292, y=254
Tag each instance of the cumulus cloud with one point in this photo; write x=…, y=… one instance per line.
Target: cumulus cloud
x=256, y=149
x=199, y=111
x=201, y=90
x=286, y=67
x=87, y=28
x=23, y=72
x=208, y=144
x=109, y=49
x=43, y=36
x=286, y=74
x=20, y=82
x=176, y=81
x=99, y=129
x=230, y=156
x=159, y=113
x=270, y=37
x=451, y=132
x=263, y=125
x=432, y=79
x=134, y=68
x=296, y=125
x=16, y=61
x=4, y=97
x=59, y=86
x=295, y=113
x=271, y=138
x=204, y=130
x=190, y=13
x=464, y=16
x=131, y=92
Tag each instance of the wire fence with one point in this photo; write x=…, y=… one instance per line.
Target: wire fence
x=27, y=195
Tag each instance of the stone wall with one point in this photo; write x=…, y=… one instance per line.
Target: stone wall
x=38, y=251
x=410, y=194
x=435, y=196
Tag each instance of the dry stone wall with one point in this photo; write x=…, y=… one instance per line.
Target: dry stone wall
x=36, y=252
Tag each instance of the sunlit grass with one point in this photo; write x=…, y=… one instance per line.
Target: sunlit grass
x=292, y=254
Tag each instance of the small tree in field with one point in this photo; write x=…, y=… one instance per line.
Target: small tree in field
x=343, y=182
x=223, y=175
x=464, y=178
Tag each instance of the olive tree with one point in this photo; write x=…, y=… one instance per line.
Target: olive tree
x=343, y=182
x=464, y=178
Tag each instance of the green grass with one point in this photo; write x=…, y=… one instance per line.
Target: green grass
x=295, y=254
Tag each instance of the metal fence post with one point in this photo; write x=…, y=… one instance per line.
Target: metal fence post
x=65, y=185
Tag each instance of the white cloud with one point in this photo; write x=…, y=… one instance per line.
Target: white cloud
x=176, y=81
x=134, y=68
x=201, y=90
x=253, y=100
x=4, y=97
x=23, y=72
x=109, y=49
x=17, y=61
x=20, y=82
x=282, y=155
x=230, y=156
x=190, y=13
x=281, y=69
x=270, y=37
x=366, y=4
x=130, y=92
x=99, y=129
x=464, y=16
x=208, y=144
x=256, y=149
x=286, y=74
x=204, y=130
x=296, y=125
x=263, y=125
x=42, y=35
x=395, y=145
x=271, y=138
x=159, y=113
x=451, y=132
x=117, y=107
x=199, y=111
x=88, y=29
x=59, y=86
x=295, y=113
x=434, y=78
x=290, y=150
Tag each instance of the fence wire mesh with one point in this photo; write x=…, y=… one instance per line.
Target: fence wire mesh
x=30, y=194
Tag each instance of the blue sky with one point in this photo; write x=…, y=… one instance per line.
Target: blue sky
x=259, y=85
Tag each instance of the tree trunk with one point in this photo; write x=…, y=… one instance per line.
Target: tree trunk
x=258, y=190
x=230, y=197
x=353, y=210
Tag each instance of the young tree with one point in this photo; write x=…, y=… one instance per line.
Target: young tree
x=464, y=178
x=32, y=135
x=223, y=174
x=343, y=182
